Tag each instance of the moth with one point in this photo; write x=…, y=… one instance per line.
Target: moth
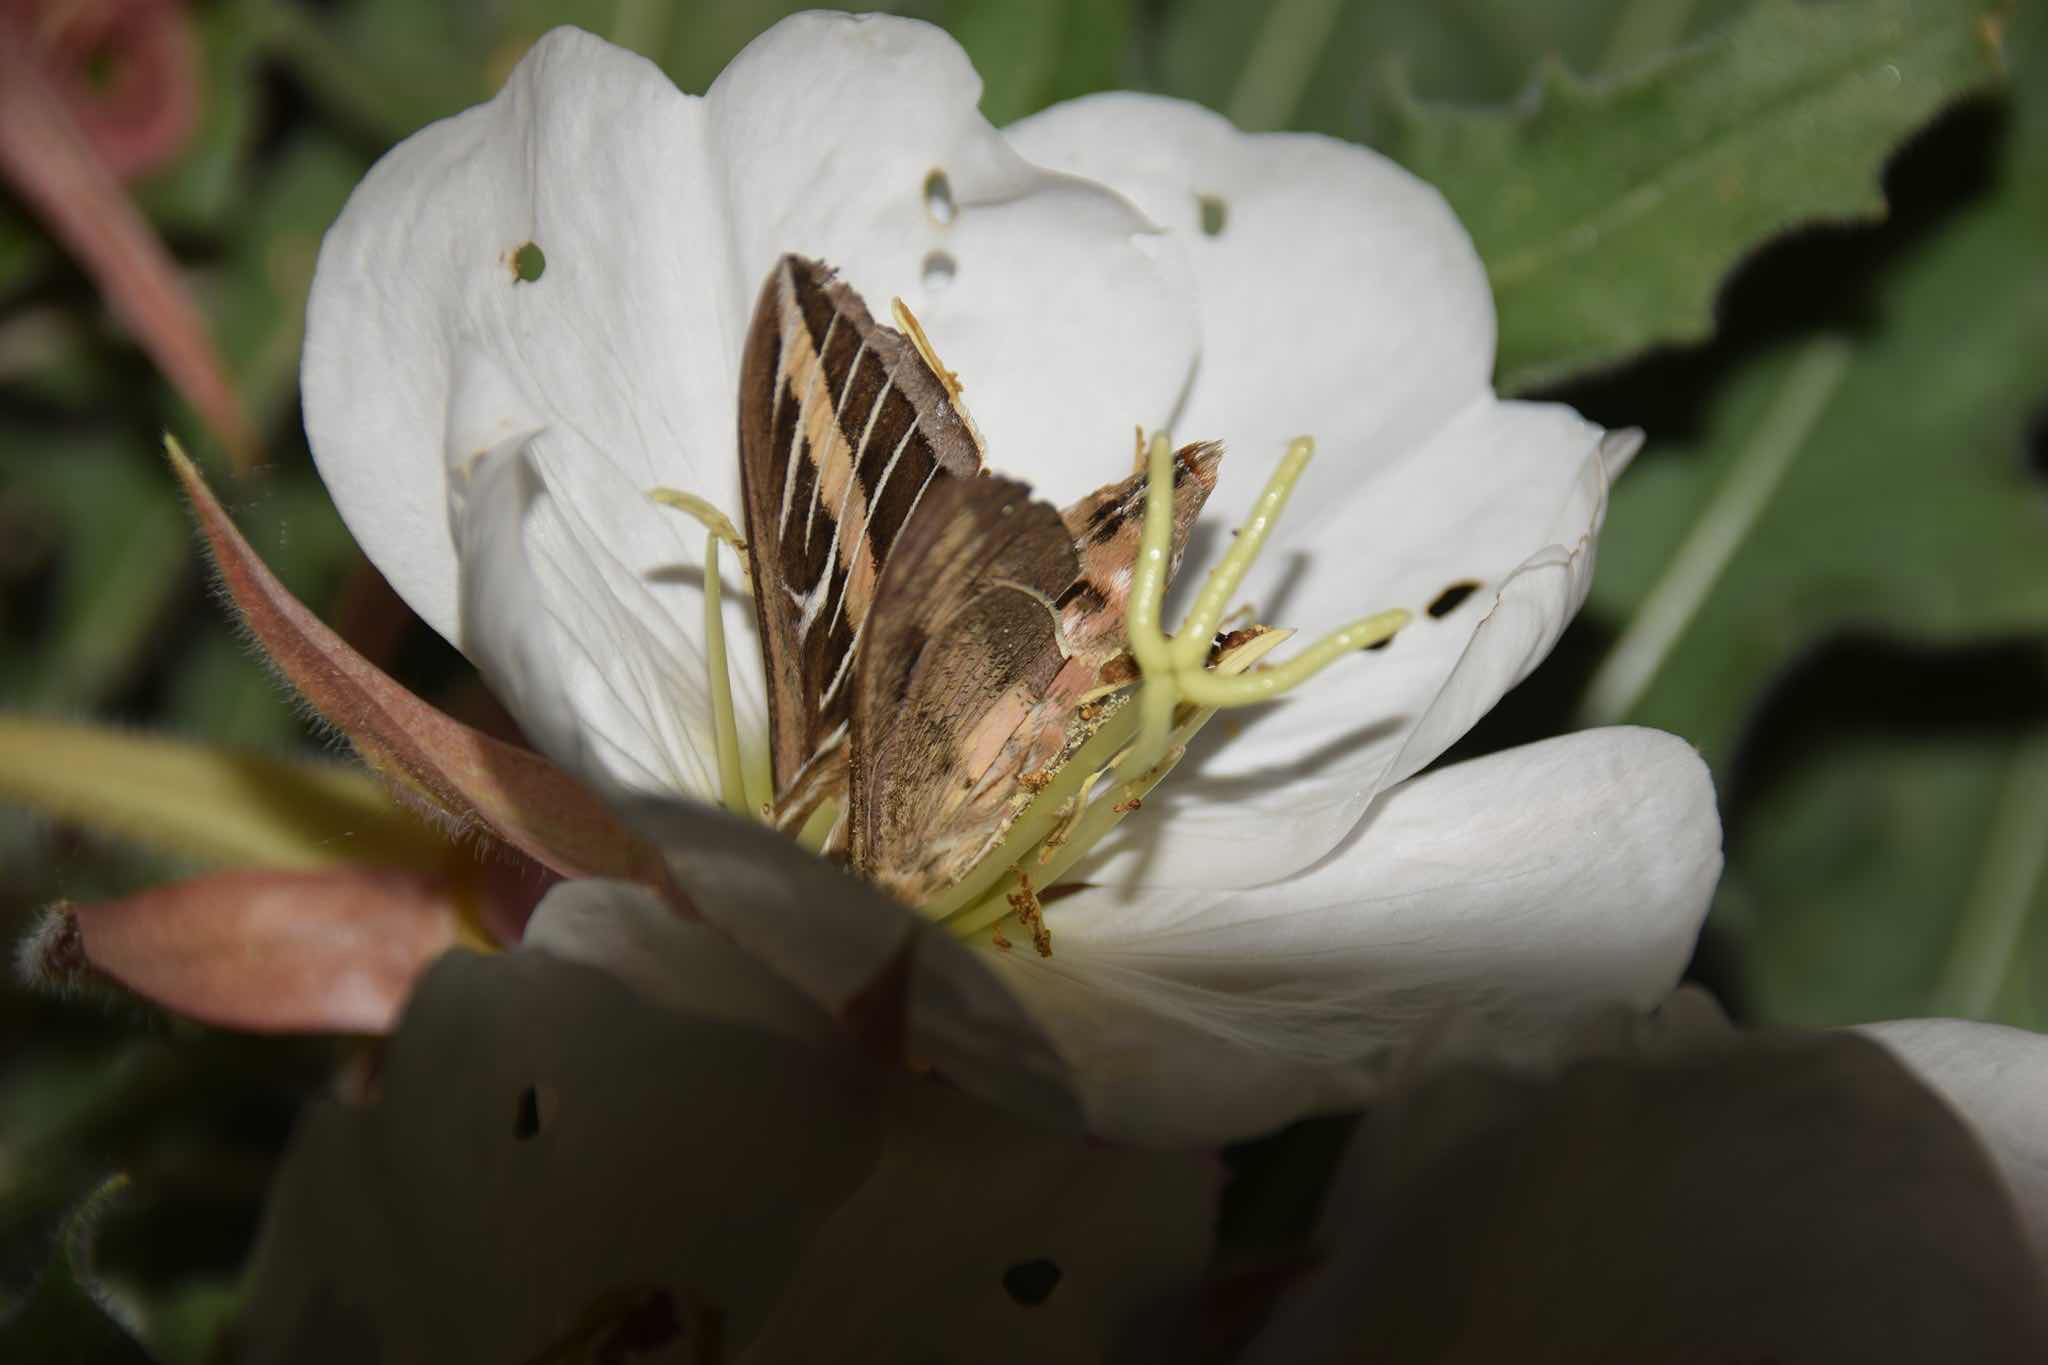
x=938, y=642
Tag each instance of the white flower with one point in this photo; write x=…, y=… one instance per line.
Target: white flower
x=1300, y=894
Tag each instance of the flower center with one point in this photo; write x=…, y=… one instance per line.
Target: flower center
x=1142, y=730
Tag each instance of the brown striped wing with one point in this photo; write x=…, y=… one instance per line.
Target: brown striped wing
x=955, y=674
x=843, y=431
x=997, y=619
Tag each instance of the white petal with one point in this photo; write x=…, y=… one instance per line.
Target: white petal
x=620, y=348
x=586, y=653
x=1067, y=314
x=1509, y=497
x=1997, y=1079
x=1516, y=890
x=1341, y=297
x=658, y=216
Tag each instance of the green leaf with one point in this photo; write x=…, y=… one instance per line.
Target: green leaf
x=121, y=553
x=1608, y=211
x=261, y=305
x=1886, y=858
x=208, y=179
x=1906, y=506
x=1825, y=643
x=1229, y=55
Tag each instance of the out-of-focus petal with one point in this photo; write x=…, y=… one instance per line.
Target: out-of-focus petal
x=1997, y=1079
x=557, y=1167
x=1764, y=1197
x=904, y=986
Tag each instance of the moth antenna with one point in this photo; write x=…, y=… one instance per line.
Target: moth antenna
x=914, y=329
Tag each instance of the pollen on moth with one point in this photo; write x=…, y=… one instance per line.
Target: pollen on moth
x=1025, y=905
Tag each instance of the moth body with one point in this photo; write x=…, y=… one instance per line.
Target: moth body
x=938, y=643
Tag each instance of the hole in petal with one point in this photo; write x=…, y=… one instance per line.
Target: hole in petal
x=526, y=1118
x=938, y=198
x=528, y=263
x=939, y=270
x=1453, y=597
x=1215, y=214
x=1030, y=1283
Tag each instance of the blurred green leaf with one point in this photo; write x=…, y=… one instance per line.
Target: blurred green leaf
x=222, y=690
x=24, y=250
x=261, y=306
x=1886, y=855
x=207, y=802
x=122, y=549
x=206, y=181
x=698, y=39
x=1906, y=506
x=384, y=68
x=1032, y=53
x=1466, y=51
x=1608, y=211
x=1882, y=817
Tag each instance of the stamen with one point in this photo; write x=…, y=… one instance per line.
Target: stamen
x=1182, y=687
x=1204, y=688
x=709, y=517
x=1174, y=670
x=1081, y=830
x=1191, y=645
x=1142, y=605
x=724, y=725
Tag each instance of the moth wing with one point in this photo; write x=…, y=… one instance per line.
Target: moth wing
x=957, y=660
x=843, y=428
